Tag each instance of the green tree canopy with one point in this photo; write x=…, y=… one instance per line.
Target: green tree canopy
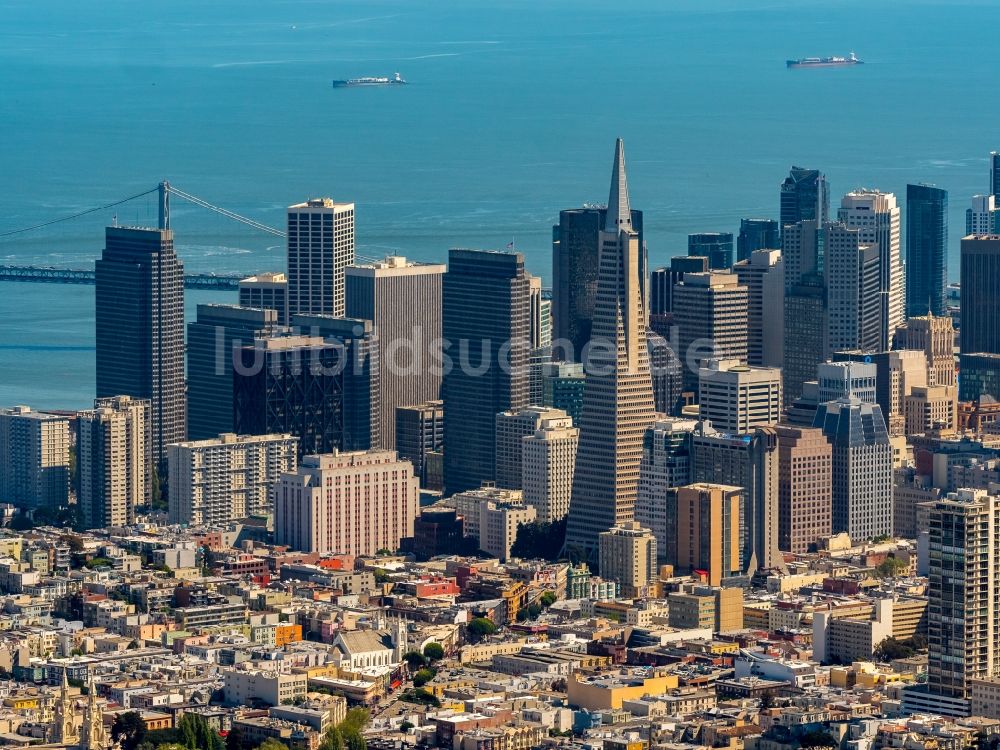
x=480, y=627
x=272, y=744
x=539, y=540
x=414, y=660
x=422, y=677
x=128, y=729
x=434, y=651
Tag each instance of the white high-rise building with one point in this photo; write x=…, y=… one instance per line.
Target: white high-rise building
x=511, y=428
x=320, y=247
x=114, y=455
x=981, y=215
x=764, y=277
x=351, y=503
x=492, y=516
x=839, y=379
x=227, y=478
x=34, y=458
x=735, y=397
x=855, y=301
x=876, y=215
x=548, y=460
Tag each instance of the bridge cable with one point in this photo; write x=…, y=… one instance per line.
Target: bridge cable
x=10, y=232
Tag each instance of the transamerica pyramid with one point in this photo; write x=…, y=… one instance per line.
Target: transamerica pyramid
x=618, y=395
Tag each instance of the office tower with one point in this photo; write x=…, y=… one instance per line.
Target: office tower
x=512, y=427
x=304, y=386
x=403, y=299
x=708, y=530
x=540, y=338
x=981, y=215
x=218, y=481
x=667, y=375
x=763, y=276
x=548, y=462
x=751, y=462
x=562, y=387
x=716, y=246
x=876, y=217
x=140, y=328
x=486, y=297
x=757, y=234
x=980, y=329
x=898, y=372
x=627, y=554
x=963, y=621
x=575, y=258
x=710, y=310
x=320, y=247
x=362, y=373
x=114, y=461
x=804, y=197
x=805, y=473
x=266, y=291
x=980, y=377
x=926, y=250
x=419, y=431
x=929, y=409
x=736, y=398
x=839, y=379
x=354, y=503
x=666, y=464
x=862, y=467
x=805, y=331
x=662, y=281
x=491, y=515
x=618, y=398
x=995, y=174
x=34, y=458
x=936, y=338
x=214, y=339
x=854, y=299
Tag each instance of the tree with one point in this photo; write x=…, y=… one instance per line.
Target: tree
x=548, y=599
x=21, y=522
x=434, y=651
x=354, y=741
x=355, y=719
x=766, y=701
x=196, y=734
x=272, y=744
x=891, y=648
x=128, y=729
x=817, y=738
x=234, y=740
x=333, y=740
x=421, y=696
x=156, y=492
x=406, y=726
x=74, y=542
x=891, y=567
x=539, y=540
x=422, y=677
x=414, y=660
x=480, y=627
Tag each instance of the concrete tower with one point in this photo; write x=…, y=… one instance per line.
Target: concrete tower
x=618, y=399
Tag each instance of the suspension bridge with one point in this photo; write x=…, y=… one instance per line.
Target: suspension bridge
x=53, y=275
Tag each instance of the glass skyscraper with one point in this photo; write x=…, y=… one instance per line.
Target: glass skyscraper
x=926, y=250
x=716, y=246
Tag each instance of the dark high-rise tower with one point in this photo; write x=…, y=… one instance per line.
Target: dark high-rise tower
x=140, y=328
x=995, y=174
x=618, y=396
x=575, y=251
x=979, y=334
x=716, y=246
x=926, y=250
x=804, y=197
x=757, y=234
x=485, y=310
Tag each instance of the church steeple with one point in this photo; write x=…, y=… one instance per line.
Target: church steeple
x=93, y=735
x=619, y=211
x=64, y=727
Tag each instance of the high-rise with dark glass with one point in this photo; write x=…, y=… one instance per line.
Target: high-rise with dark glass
x=140, y=328
x=575, y=251
x=926, y=250
x=486, y=311
x=804, y=197
x=995, y=174
x=757, y=234
x=979, y=334
x=716, y=246
x=662, y=281
x=618, y=397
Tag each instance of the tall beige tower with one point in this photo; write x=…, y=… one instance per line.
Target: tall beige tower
x=548, y=462
x=618, y=398
x=936, y=337
x=320, y=248
x=627, y=554
x=115, y=454
x=876, y=216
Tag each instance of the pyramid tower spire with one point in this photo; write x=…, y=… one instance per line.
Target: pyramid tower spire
x=619, y=216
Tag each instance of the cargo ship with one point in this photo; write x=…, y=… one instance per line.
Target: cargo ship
x=396, y=80
x=824, y=62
